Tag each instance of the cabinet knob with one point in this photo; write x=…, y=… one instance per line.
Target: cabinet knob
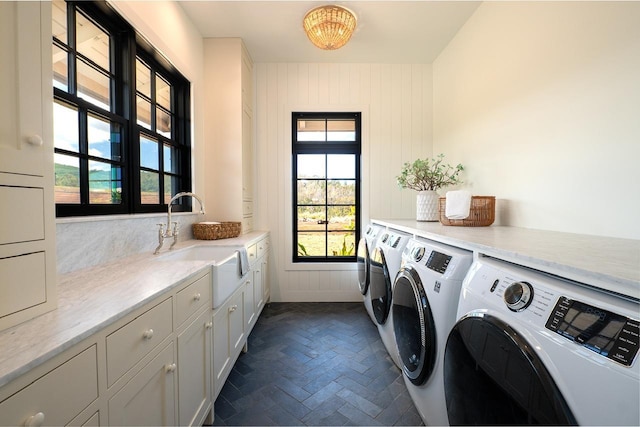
x=171, y=367
x=208, y=325
x=233, y=308
x=35, y=420
x=148, y=334
x=36, y=141
x=197, y=297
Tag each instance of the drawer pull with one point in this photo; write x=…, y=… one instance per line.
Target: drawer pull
x=36, y=141
x=208, y=325
x=170, y=367
x=35, y=420
x=233, y=308
x=148, y=334
x=197, y=297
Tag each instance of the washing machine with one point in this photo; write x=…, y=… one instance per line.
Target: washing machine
x=531, y=348
x=365, y=248
x=425, y=302
x=385, y=264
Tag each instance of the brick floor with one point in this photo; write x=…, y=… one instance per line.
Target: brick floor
x=315, y=364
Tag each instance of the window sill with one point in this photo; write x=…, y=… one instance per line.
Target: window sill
x=321, y=266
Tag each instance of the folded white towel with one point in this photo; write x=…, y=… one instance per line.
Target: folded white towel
x=243, y=261
x=458, y=204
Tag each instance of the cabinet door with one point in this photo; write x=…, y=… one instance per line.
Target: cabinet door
x=247, y=155
x=22, y=149
x=194, y=371
x=265, y=279
x=236, y=324
x=249, y=302
x=221, y=348
x=149, y=398
x=258, y=286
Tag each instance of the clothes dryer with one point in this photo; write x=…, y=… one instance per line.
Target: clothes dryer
x=425, y=301
x=385, y=264
x=365, y=248
x=531, y=348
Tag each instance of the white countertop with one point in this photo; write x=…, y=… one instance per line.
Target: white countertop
x=607, y=263
x=93, y=298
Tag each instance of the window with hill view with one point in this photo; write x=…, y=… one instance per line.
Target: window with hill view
x=326, y=186
x=120, y=116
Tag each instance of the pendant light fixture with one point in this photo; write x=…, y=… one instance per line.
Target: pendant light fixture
x=329, y=27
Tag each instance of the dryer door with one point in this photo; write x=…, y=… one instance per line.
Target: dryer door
x=413, y=326
x=363, y=266
x=380, y=286
x=493, y=376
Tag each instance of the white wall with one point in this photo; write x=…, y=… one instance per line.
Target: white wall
x=166, y=26
x=541, y=102
x=396, y=102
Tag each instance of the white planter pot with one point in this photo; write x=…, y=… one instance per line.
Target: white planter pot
x=427, y=206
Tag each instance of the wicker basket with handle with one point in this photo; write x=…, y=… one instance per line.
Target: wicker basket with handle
x=216, y=230
x=481, y=213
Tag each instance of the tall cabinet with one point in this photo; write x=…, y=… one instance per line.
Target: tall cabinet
x=229, y=150
x=27, y=210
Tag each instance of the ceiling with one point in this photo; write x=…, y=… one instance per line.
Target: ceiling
x=407, y=32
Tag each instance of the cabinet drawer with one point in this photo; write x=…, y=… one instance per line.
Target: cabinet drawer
x=58, y=396
x=191, y=298
x=23, y=282
x=247, y=208
x=247, y=224
x=252, y=252
x=262, y=247
x=130, y=343
x=21, y=212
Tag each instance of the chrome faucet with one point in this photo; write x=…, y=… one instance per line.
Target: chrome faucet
x=162, y=233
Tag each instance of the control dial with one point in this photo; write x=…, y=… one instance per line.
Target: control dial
x=418, y=253
x=518, y=295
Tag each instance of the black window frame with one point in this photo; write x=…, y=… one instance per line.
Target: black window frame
x=326, y=148
x=125, y=46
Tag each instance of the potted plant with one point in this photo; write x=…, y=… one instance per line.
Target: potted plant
x=426, y=176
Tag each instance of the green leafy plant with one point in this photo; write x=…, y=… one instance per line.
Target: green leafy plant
x=429, y=174
x=344, y=250
x=302, y=251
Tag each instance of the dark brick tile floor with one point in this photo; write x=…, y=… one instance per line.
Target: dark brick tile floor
x=315, y=364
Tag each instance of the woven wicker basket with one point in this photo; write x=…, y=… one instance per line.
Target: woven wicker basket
x=481, y=214
x=212, y=231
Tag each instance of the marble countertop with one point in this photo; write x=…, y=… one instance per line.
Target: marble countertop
x=92, y=299
x=612, y=264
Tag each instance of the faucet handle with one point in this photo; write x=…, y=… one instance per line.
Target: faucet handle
x=161, y=227
x=175, y=227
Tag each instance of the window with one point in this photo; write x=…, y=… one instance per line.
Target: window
x=326, y=186
x=120, y=116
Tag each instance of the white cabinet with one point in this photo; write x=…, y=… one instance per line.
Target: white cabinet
x=148, y=399
x=27, y=211
x=250, y=314
x=130, y=343
x=194, y=370
x=228, y=337
x=229, y=150
x=55, y=399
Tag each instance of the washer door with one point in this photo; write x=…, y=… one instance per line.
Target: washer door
x=363, y=266
x=492, y=376
x=413, y=326
x=380, y=286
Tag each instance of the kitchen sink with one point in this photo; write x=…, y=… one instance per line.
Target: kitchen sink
x=225, y=269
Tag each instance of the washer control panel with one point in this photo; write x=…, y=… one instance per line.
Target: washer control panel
x=604, y=332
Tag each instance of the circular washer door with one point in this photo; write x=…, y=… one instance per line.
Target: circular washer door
x=493, y=376
x=363, y=266
x=379, y=286
x=413, y=326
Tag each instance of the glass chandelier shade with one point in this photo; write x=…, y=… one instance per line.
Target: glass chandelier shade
x=329, y=27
